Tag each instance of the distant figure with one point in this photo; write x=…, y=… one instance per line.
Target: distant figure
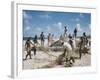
x=52, y=38
x=35, y=43
x=75, y=32
x=70, y=36
x=28, y=48
x=65, y=31
x=35, y=39
x=70, y=40
x=34, y=49
x=49, y=39
x=42, y=38
x=85, y=40
x=61, y=37
x=83, y=45
x=80, y=47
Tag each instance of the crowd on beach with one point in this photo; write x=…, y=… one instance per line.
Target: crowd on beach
x=65, y=37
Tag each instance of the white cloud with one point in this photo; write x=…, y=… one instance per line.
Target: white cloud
x=26, y=16
x=77, y=19
x=48, y=29
x=81, y=15
x=72, y=19
x=27, y=28
x=45, y=16
x=89, y=26
x=38, y=29
x=58, y=25
x=78, y=27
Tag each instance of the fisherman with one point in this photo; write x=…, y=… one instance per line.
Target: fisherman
x=80, y=47
x=49, y=39
x=42, y=38
x=65, y=31
x=83, y=45
x=35, y=39
x=52, y=38
x=35, y=44
x=75, y=32
x=61, y=37
x=70, y=40
x=68, y=52
x=28, y=48
x=34, y=49
x=85, y=40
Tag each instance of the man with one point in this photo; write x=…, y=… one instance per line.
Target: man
x=80, y=47
x=65, y=31
x=85, y=40
x=34, y=49
x=35, y=39
x=42, y=38
x=70, y=40
x=75, y=32
x=28, y=48
x=49, y=39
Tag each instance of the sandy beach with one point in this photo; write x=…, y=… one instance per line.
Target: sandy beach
x=43, y=59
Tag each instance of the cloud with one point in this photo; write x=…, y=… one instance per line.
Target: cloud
x=26, y=16
x=27, y=28
x=34, y=31
x=46, y=16
x=78, y=27
x=77, y=19
x=81, y=15
x=58, y=25
x=38, y=29
x=48, y=29
x=72, y=19
x=89, y=26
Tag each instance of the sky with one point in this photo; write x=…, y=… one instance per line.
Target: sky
x=35, y=22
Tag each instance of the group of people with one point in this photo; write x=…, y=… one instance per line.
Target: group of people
x=84, y=42
x=31, y=46
x=42, y=39
x=66, y=32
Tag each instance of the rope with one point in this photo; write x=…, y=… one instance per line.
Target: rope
x=46, y=51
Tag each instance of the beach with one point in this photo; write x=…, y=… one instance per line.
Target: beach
x=46, y=59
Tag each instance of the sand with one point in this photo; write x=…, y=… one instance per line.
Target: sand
x=42, y=59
